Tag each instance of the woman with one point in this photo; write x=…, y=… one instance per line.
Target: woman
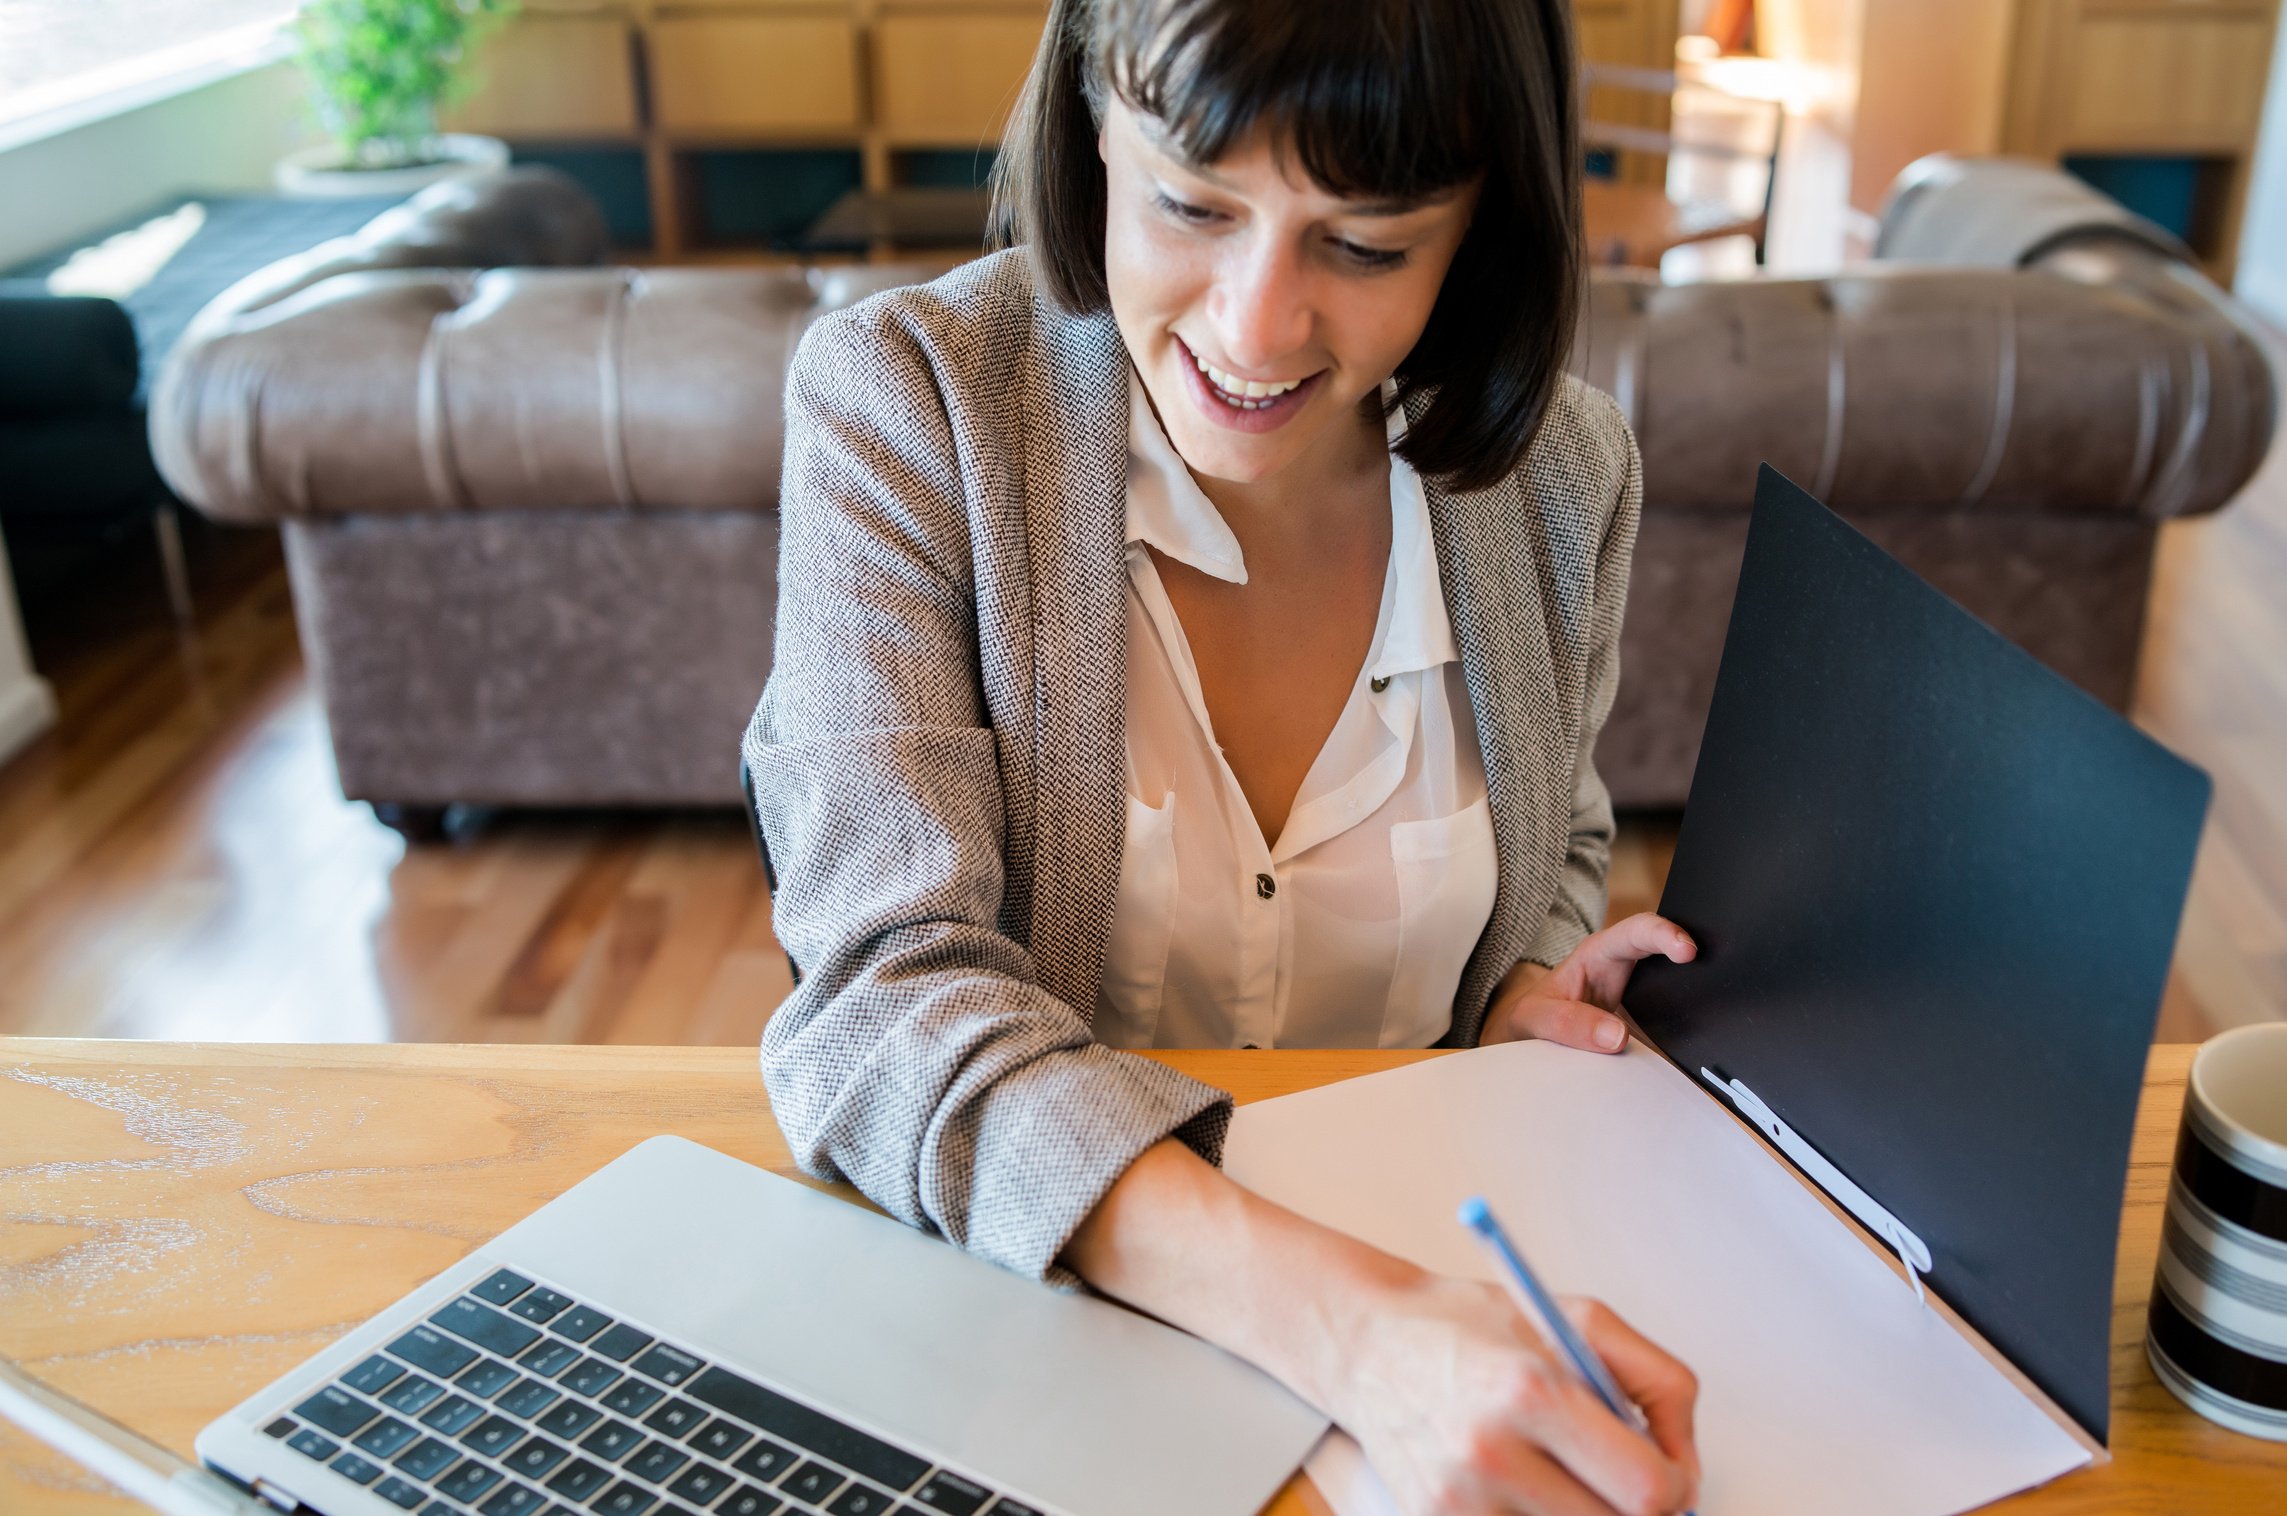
x=1194, y=627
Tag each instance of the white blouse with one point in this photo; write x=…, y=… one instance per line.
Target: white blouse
x=1353, y=929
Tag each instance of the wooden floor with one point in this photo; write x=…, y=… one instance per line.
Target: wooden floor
x=176, y=860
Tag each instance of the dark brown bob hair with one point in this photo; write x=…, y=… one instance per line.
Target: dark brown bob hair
x=1383, y=99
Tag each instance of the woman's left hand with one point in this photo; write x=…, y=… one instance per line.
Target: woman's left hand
x=1573, y=1002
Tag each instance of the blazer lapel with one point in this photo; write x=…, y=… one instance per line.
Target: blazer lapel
x=1075, y=390
x=1493, y=560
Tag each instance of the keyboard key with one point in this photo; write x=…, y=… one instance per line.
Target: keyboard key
x=550, y=1358
x=452, y=1414
x=467, y=1482
x=749, y=1501
x=612, y=1441
x=535, y=1458
x=338, y=1411
x=427, y=1348
x=485, y=1327
x=569, y=1419
x=513, y=1500
x=386, y=1437
x=675, y=1418
x=492, y=1436
x=527, y=1398
x=279, y=1428
x=355, y=1469
x=657, y=1462
x=812, y=1482
x=313, y=1445
x=667, y=1365
x=619, y=1343
x=700, y=1484
x=579, y=1479
x=766, y=1460
x=951, y=1493
x=891, y=1467
x=580, y=1323
x=502, y=1287
x=427, y=1458
x=592, y=1377
x=721, y=1439
x=486, y=1378
x=412, y=1394
x=861, y=1500
x=624, y=1499
x=398, y=1493
x=541, y=1305
x=633, y=1397
x=373, y=1376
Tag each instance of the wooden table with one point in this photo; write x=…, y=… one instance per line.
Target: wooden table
x=181, y=1223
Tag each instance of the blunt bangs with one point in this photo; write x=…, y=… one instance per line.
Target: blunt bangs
x=1386, y=100
x=1361, y=93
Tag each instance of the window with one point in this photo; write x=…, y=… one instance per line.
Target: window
x=60, y=53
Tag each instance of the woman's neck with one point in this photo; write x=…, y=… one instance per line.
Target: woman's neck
x=1312, y=494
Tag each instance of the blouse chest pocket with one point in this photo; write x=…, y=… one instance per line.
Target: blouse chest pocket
x=1447, y=869
x=1143, y=925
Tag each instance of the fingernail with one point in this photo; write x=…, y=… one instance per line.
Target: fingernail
x=1610, y=1035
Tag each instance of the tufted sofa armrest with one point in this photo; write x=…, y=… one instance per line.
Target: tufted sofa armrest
x=2022, y=346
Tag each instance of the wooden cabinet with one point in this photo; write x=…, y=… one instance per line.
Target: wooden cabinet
x=676, y=85
x=555, y=75
x=2148, y=79
x=949, y=78
x=720, y=74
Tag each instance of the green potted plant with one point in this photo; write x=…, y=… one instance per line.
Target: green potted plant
x=378, y=70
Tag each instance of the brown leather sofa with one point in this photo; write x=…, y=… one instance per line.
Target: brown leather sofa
x=528, y=501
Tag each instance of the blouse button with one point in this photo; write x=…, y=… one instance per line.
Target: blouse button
x=1381, y=684
x=1265, y=886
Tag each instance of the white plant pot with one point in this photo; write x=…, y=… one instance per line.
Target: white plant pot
x=318, y=172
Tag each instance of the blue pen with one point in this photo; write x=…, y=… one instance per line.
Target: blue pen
x=1478, y=1217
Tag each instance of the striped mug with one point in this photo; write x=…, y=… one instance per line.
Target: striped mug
x=2217, y=1331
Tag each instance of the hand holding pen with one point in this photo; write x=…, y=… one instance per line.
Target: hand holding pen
x=1566, y=1339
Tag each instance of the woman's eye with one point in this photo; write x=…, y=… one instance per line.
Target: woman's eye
x=1182, y=210
x=1370, y=257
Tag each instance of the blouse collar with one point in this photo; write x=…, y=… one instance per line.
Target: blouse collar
x=1168, y=512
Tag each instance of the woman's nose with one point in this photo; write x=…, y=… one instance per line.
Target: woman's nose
x=1260, y=308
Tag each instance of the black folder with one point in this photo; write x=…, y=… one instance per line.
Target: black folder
x=1935, y=888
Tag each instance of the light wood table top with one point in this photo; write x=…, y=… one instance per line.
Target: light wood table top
x=180, y=1223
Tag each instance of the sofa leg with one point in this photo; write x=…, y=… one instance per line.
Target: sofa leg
x=415, y=823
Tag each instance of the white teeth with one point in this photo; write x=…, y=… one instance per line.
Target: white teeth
x=1239, y=391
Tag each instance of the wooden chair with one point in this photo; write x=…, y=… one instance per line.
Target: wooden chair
x=1632, y=225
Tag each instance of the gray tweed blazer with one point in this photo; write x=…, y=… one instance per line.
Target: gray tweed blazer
x=938, y=757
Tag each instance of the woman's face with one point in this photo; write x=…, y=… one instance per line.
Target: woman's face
x=1260, y=309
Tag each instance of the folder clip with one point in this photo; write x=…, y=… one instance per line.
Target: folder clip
x=1911, y=1250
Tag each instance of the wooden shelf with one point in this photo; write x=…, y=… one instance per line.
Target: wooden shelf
x=679, y=80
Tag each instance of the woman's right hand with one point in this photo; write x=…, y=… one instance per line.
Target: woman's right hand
x=1461, y=1409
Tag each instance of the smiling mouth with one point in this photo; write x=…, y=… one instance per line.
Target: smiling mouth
x=1241, y=394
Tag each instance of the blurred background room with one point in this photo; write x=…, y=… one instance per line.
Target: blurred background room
x=389, y=441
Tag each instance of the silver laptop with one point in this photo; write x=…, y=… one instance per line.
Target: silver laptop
x=683, y=1333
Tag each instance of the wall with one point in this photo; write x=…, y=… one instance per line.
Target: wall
x=223, y=135
x=1934, y=81
x=2261, y=276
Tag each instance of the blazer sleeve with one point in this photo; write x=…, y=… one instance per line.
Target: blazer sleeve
x=919, y=1058
x=1578, y=907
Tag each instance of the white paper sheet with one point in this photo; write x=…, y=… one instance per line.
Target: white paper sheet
x=1824, y=1386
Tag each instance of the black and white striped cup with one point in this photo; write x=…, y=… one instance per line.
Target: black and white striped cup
x=2217, y=1333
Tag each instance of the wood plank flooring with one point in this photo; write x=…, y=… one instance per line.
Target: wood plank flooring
x=176, y=860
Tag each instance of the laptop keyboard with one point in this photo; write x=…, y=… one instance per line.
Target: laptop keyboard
x=517, y=1400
